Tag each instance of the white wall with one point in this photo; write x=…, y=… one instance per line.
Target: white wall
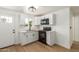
x=62, y=27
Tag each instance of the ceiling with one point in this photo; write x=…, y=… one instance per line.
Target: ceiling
x=14, y=8
x=45, y=9
x=41, y=9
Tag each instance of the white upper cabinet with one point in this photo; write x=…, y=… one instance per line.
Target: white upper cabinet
x=37, y=21
x=22, y=19
x=51, y=17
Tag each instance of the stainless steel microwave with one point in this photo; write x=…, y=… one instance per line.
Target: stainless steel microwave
x=45, y=21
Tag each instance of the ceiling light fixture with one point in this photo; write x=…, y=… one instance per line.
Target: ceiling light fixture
x=32, y=8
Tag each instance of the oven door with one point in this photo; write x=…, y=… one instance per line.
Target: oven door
x=42, y=36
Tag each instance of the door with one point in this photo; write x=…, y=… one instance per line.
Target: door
x=7, y=31
x=76, y=28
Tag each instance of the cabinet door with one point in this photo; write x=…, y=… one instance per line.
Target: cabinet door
x=50, y=38
x=22, y=19
x=23, y=39
x=26, y=38
x=35, y=36
x=52, y=19
x=32, y=36
x=37, y=21
x=34, y=21
x=29, y=37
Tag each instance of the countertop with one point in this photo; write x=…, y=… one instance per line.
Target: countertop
x=28, y=31
x=23, y=31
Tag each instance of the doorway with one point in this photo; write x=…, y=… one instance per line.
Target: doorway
x=75, y=23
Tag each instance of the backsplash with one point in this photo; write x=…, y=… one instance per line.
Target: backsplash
x=41, y=27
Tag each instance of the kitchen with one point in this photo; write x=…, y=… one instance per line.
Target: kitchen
x=24, y=29
x=43, y=33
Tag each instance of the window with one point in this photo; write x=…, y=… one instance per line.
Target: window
x=27, y=20
x=5, y=19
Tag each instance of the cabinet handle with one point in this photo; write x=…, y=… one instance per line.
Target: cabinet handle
x=13, y=30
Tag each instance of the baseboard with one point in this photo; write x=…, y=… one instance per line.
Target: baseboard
x=63, y=46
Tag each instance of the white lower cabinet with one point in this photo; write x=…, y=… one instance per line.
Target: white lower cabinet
x=28, y=37
x=50, y=38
